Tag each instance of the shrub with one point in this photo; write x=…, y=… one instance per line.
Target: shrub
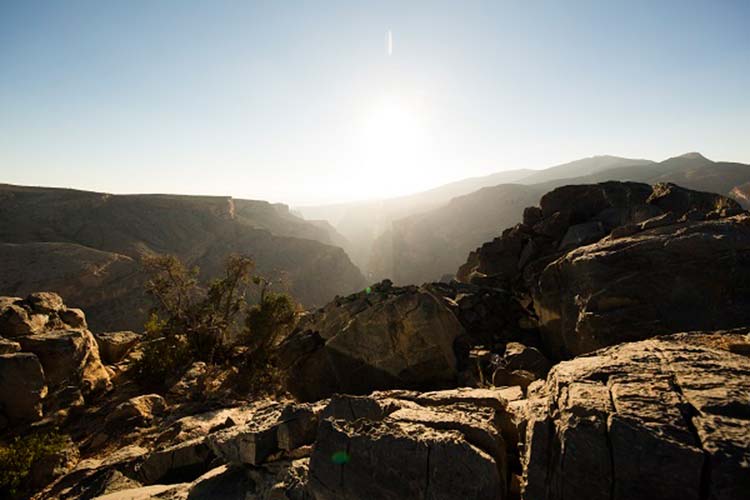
x=268, y=320
x=17, y=458
x=201, y=323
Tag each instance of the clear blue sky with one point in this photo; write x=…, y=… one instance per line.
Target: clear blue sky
x=302, y=102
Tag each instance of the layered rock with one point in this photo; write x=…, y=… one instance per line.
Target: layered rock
x=572, y=216
x=384, y=337
x=661, y=418
x=691, y=275
x=51, y=349
x=629, y=257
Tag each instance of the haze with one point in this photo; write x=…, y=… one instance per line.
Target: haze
x=332, y=101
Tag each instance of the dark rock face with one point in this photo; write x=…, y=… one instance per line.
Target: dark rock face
x=490, y=316
x=606, y=263
x=686, y=276
x=571, y=216
x=389, y=337
x=22, y=387
x=661, y=418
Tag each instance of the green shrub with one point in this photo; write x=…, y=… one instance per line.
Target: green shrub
x=17, y=458
x=202, y=323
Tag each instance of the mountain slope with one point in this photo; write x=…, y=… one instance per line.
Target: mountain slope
x=72, y=236
x=365, y=224
x=427, y=246
x=583, y=167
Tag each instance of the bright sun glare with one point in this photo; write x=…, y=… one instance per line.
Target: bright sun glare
x=394, y=147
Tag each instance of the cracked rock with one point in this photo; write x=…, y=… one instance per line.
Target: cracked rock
x=662, y=418
x=385, y=338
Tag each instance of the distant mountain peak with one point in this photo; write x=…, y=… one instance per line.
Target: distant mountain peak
x=693, y=155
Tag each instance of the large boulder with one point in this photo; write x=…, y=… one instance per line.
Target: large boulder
x=69, y=357
x=113, y=346
x=16, y=320
x=22, y=387
x=691, y=275
x=38, y=312
x=384, y=337
x=400, y=444
x=139, y=411
x=664, y=418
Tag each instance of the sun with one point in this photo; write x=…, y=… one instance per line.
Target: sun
x=393, y=147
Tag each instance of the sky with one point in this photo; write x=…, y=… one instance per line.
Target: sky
x=320, y=102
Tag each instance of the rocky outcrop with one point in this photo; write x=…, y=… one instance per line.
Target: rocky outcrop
x=69, y=357
x=385, y=337
x=113, y=346
x=51, y=351
x=691, y=275
x=577, y=215
x=401, y=444
x=661, y=418
x=666, y=417
x=137, y=411
x=491, y=317
x=629, y=257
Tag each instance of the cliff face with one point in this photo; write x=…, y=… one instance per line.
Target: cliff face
x=88, y=246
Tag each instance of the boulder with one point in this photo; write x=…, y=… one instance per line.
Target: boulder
x=45, y=302
x=680, y=201
x=16, y=320
x=407, y=444
x=177, y=463
x=664, y=418
x=252, y=442
x=385, y=337
x=298, y=424
x=113, y=346
x=69, y=357
x=138, y=411
x=692, y=275
x=22, y=387
x=74, y=318
x=382, y=460
x=490, y=316
x=518, y=356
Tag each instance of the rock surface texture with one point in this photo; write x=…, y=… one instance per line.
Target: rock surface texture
x=622, y=261
x=688, y=275
x=661, y=418
x=384, y=337
x=51, y=351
